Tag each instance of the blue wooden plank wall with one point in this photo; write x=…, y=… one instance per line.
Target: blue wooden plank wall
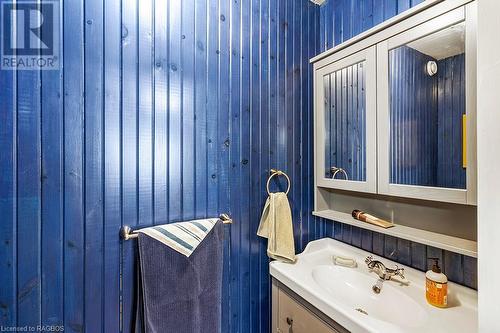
x=345, y=106
x=163, y=111
x=340, y=20
x=413, y=114
x=337, y=23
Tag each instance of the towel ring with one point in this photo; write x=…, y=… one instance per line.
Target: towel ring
x=335, y=170
x=275, y=172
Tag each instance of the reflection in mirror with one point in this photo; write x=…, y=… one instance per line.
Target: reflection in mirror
x=427, y=108
x=345, y=114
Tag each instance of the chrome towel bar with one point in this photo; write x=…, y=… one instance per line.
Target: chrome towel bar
x=127, y=233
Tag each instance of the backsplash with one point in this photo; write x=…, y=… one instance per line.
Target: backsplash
x=339, y=21
x=459, y=268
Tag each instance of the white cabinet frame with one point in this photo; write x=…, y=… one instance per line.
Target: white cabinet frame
x=461, y=196
x=370, y=184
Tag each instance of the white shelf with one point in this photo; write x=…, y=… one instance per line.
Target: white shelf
x=450, y=243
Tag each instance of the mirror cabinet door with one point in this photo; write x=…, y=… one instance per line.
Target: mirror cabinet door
x=345, y=123
x=424, y=109
x=345, y=114
x=427, y=110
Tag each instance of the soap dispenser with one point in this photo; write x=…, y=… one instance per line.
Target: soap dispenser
x=436, y=286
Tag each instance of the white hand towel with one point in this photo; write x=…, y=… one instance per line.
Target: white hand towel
x=276, y=226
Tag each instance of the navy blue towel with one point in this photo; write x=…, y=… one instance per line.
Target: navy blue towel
x=177, y=293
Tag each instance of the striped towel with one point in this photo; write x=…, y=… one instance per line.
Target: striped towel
x=183, y=237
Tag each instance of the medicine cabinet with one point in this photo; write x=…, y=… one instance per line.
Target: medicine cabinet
x=396, y=116
x=395, y=126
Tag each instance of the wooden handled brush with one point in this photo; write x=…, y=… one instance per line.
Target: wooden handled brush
x=364, y=217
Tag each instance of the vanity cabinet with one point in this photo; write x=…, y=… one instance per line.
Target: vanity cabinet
x=291, y=314
x=395, y=111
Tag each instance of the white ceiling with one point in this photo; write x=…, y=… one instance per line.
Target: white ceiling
x=442, y=44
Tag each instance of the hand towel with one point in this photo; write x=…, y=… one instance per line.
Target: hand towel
x=276, y=226
x=180, y=293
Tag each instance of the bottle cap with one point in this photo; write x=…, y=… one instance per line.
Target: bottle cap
x=435, y=267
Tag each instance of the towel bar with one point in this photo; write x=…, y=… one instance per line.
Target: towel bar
x=127, y=233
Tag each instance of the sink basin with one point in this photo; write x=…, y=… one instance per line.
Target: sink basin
x=345, y=294
x=354, y=289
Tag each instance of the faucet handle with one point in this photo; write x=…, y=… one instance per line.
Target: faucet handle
x=400, y=272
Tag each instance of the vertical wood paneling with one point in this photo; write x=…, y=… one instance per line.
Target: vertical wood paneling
x=345, y=122
x=174, y=110
x=145, y=52
x=266, y=147
x=340, y=20
x=295, y=120
x=129, y=139
x=243, y=308
x=73, y=150
x=212, y=92
x=343, y=19
x=414, y=119
x=188, y=46
x=29, y=175
x=470, y=272
x=200, y=112
x=52, y=155
x=223, y=145
x=255, y=161
x=235, y=173
x=94, y=167
x=451, y=107
x=162, y=111
x=162, y=102
x=8, y=197
x=418, y=256
x=112, y=162
x=404, y=251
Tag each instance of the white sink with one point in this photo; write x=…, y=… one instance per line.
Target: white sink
x=345, y=294
x=354, y=290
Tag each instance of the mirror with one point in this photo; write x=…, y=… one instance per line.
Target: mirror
x=427, y=110
x=345, y=125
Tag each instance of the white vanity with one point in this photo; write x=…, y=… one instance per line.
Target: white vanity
x=395, y=126
x=315, y=295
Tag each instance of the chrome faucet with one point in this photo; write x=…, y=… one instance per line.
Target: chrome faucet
x=382, y=271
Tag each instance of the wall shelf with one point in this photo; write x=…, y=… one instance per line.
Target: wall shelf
x=445, y=242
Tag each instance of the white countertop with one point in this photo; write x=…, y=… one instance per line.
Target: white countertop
x=338, y=291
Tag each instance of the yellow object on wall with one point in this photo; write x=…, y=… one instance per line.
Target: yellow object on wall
x=464, y=141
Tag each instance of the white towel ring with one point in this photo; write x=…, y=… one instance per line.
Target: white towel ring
x=336, y=170
x=275, y=172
